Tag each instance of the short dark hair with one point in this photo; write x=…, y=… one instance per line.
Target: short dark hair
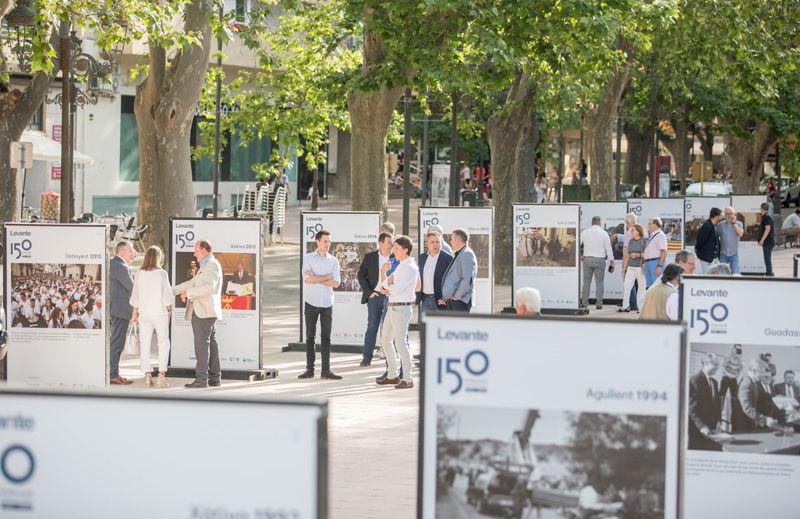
x=787, y=372
x=462, y=234
x=671, y=271
x=382, y=236
x=715, y=211
x=320, y=234
x=205, y=244
x=595, y=220
x=765, y=206
x=405, y=242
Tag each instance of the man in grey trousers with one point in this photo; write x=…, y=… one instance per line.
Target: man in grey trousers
x=119, y=307
x=596, y=255
x=203, y=297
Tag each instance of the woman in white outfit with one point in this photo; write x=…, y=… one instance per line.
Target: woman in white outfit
x=151, y=299
x=632, y=268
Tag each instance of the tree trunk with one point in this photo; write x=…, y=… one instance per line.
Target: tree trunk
x=706, y=137
x=679, y=147
x=747, y=157
x=370, y=115
x=526, y=191
x=637, y=156
x=165, y=106
x=506, y=132
x=598, y=124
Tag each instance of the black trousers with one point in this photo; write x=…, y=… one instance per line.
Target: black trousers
x=325, y=316
x=768, y=258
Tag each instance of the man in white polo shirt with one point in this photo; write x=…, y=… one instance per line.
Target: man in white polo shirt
x=597, y=253
x=655, y=252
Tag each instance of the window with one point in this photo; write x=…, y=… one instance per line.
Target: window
x=203, y=201
x=243, y=157
x=114, y=205
x=128, y=142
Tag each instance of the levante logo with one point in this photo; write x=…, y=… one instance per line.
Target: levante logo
x=463, y=373
x=184, y=237
x=20, y=244
x=710, y=319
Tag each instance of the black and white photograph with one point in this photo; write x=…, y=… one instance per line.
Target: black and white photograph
x=548, y=464
x=545, y=247
x=349, y=255
x=744, y=398
x=56, y=295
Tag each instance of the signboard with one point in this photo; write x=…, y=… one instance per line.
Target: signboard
x=217, y=449
x=504, y=421
x=55, y=171
x=236, y=244
x=440, y=185
x=748, y=211
x=671, y=212
x=55, y=299
x=478, y=222
x=546, y=252
x=352, y=236
x=697, y=210
x=743, y=347
x=612, y=219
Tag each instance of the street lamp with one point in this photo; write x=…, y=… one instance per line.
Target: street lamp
x=18, y=38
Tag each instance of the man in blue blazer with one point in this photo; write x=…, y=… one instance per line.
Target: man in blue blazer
x=119, y=307
x=458, y=284
x=433, y=264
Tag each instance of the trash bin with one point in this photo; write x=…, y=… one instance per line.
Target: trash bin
x=50, y=206
x=469, y=197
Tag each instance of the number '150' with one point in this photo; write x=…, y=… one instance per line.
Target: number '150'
x=476, y=363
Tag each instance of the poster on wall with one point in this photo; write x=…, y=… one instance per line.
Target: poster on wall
x=748, y=211
x=507, y=431
x=440, y=185
x=546, y=253
x=697, y=210
x=353, y=234
x=671, y=212
x=50, y=439
x=612, y=220
x=55, y=302
x=236, y=244
x=743, y=423
x=478, y=222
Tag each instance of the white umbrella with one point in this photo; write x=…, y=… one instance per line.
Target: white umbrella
x=46, y=149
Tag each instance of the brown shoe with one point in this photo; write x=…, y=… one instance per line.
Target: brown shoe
x=119, y=381
x=126, y=381
x=388, y=381
x=404, y=385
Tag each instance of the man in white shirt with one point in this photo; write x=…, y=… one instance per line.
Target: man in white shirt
x=791, y=226
x=433, y=264
x=655, y=252
x=400, y=287
x=597, y=253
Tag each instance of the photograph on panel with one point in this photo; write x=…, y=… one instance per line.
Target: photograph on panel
x=479, y=243
x=545, y=247
x=239, y=277
x=507, y=462
x=349, y=255
x=673, y=230
x=693, y=229
x=56, y=295
x=750, y=222
x=744, y=398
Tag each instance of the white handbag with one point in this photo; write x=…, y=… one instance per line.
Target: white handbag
x=132, y=346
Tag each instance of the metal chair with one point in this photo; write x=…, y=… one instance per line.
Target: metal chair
x=279, y=213
x=249, y=203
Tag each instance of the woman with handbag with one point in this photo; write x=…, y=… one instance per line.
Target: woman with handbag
x=151, y=299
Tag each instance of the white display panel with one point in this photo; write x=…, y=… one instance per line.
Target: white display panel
x=546, y=249
x=671, y=212
x=612, y=219
x=440, y=185
x=748, y=211
x=797, y=265
x=697, y=210
x=723, y=472
x=137, y=455
x=478, y=222
x=61, y=343
x=235, y=243
x=352, y=236
x=496, y=404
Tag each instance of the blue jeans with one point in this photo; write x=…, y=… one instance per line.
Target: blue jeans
x=427, y=304
x=733, y=261
x=650, y=275
x=376, y=311
x=768, y=259
x=633, y=303
x=458, y=306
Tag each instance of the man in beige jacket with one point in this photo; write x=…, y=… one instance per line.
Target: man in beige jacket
x=203, y=297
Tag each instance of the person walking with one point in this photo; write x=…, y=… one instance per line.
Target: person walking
x=766, y=233
x=661, y=300
x=707, y=244
x=369, y=276
x=632, y=267
x=120, y=286
x=400, y=287
x=433, y=263
x=655, y=252
x=730, y=232
x=321, y=274
x=597, y=253
x=458, y=282
x=151, y=299
x=203, y=297
x=630, y=221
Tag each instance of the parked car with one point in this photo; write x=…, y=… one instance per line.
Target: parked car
x=630, y=191
x=790, y=190
x=709, y=189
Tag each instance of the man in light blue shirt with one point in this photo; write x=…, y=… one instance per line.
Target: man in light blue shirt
x=321, y=274
x=730, y=232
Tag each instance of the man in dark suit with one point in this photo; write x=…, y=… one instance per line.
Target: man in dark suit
x=789, y=388
x=707, y=244
x=755, y=396
x=436, y=260
x=369, y=275
x=119, y=306
x=704, y=405
x=239, y=277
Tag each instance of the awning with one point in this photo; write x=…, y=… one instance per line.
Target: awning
x=45, y=148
